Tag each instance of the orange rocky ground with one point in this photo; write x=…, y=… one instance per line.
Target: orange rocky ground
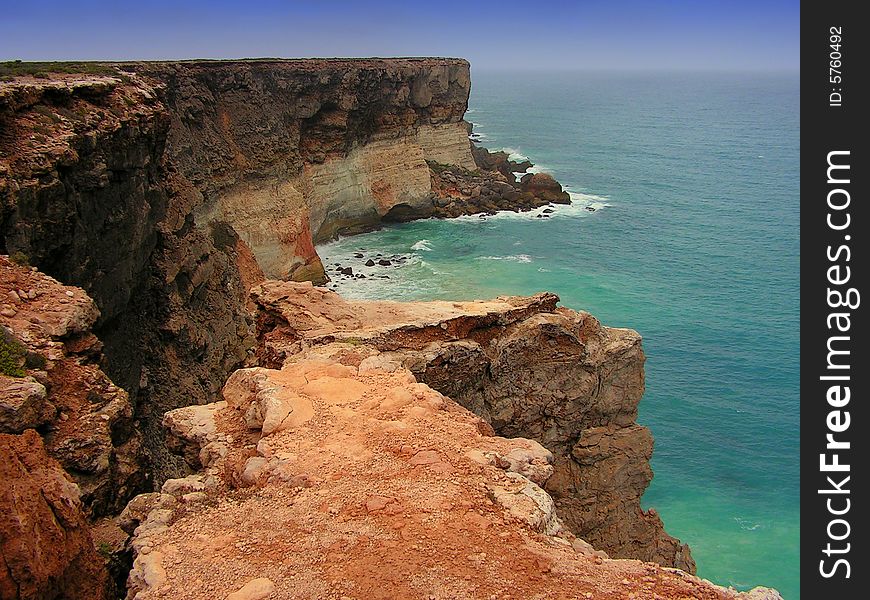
x=59, y=389
x=323, y=480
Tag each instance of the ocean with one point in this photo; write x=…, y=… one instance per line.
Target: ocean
x=694, y=242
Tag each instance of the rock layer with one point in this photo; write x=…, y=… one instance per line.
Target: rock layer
x=528, y=368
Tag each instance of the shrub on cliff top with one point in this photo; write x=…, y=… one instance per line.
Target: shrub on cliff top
x=14, y=68
x=11, y=356
x=19, y=258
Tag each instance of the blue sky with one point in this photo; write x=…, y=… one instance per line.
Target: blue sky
x=585, y=34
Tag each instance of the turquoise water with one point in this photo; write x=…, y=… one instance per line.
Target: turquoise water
x=694, y=243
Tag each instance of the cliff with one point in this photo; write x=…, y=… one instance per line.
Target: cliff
x=168, y=191
x=349, y=479
x=293, y=151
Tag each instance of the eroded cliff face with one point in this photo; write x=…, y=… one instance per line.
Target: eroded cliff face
x=287, y=151
x=87, y=196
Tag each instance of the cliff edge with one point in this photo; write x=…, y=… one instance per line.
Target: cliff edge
x=328, y=479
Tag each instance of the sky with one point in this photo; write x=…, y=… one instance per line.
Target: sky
x=503, y=34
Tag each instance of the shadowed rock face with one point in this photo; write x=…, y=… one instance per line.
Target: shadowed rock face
x=45, y=545
x=528, y=368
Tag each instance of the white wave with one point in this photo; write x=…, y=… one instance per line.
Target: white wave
x=520, y=258
x=519, y=174
x=746, y=524
x=513, y=154
x=583, y=199
x=540, y=169
x=422, y=245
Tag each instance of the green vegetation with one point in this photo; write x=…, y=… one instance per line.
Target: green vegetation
x=438, y=167
x=11, y=357
x=16, y=68
x=105, y=549
x=19, y=258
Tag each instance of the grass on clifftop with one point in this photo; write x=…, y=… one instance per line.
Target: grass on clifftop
x=42, y=70
x=11, y=355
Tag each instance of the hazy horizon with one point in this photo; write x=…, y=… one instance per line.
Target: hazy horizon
x=588, y=35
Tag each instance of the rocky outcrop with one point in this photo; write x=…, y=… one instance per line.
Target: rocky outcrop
x=323, y=479
x=53, y=383
x=166, y=189
x=460, y=192
x=528, y=368
x=45, y=546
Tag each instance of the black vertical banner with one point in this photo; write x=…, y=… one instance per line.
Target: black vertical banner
x=834, y=270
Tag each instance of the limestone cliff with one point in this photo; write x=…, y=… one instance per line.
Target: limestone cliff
x=168, y=190
x=287, y=151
